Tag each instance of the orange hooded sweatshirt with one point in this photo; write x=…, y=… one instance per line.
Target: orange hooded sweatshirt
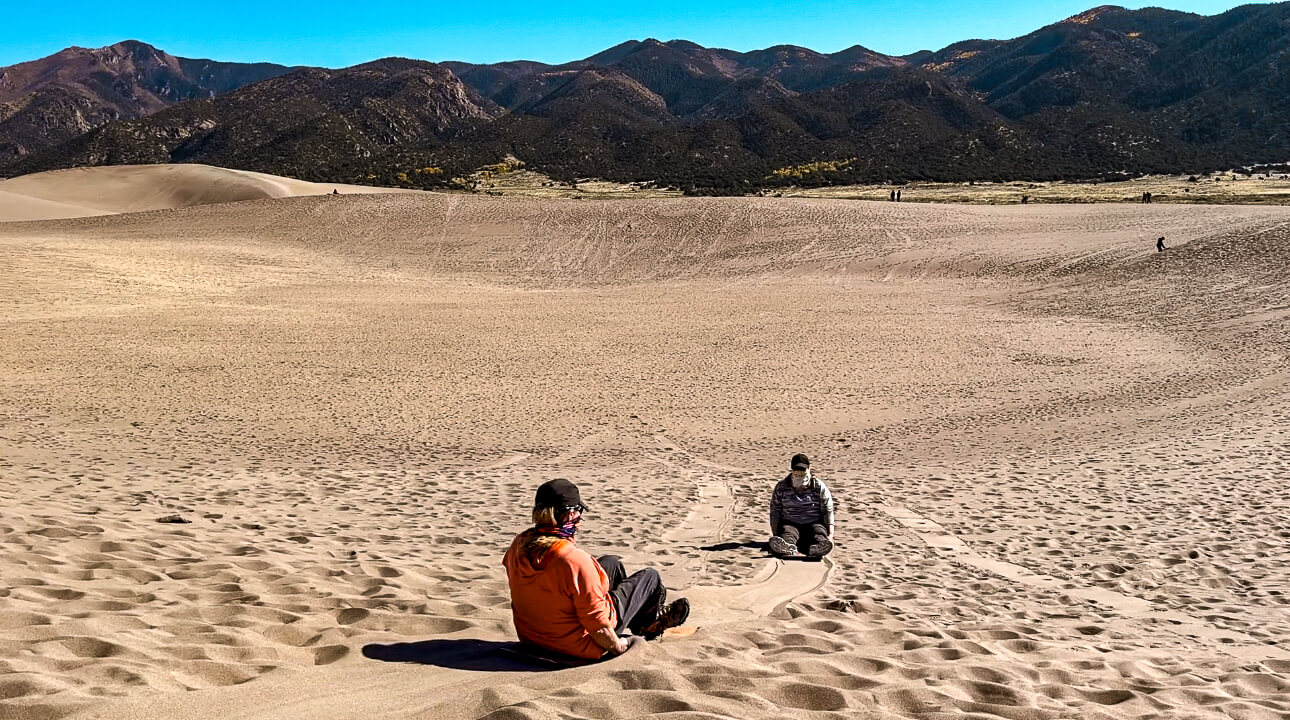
x=559, y=604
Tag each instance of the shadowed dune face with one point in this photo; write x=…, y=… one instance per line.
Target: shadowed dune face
x=352, y=399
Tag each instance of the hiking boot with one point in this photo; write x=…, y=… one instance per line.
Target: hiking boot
x=781, y=547
x=821, y=547
x=674, y=615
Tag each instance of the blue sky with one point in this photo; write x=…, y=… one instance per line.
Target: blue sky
x=332, y=33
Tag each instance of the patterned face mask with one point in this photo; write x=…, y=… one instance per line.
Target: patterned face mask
x=570, y=528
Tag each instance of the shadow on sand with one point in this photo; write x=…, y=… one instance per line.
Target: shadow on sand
x=471, y=654
x=721, y=547
x=756, y=545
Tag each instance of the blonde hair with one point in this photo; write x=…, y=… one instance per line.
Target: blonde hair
x=536, y=545
x=546, y=517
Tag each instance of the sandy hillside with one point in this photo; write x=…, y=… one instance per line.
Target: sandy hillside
x=1060, y=457
x=83, y=192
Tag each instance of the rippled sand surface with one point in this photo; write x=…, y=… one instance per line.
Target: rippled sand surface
x=1060, y=457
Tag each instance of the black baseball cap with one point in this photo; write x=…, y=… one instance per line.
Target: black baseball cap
x=558, y=493
x=799, y=462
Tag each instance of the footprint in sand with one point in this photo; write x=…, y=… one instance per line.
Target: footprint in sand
x=943, y=541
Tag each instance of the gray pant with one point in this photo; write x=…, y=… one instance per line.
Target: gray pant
x=801, y=536
x=637, y=598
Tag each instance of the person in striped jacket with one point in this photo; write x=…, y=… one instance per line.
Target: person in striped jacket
x=801, y=513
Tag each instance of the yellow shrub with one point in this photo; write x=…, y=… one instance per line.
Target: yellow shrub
x=821, y=166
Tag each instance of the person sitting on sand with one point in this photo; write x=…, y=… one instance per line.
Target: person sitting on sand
x=801, y=513
x=563, y=600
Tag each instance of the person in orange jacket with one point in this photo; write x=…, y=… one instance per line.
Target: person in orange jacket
x=564, y=600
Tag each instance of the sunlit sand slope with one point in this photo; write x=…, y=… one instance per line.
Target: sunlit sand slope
x=1060, y=457
x=81, y=192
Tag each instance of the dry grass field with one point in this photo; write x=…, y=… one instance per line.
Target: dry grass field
x=1228, y=188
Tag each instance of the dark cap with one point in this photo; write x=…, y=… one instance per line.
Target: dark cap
x=558, y=493
x=799, y=462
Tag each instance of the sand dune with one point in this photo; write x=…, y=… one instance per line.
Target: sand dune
x=1059, y=456
x=17, y=207
x=82, y=192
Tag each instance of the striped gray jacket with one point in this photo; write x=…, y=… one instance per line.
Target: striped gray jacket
x=813, y=504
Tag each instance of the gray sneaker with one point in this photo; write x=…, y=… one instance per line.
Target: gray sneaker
x=674, y=615
x=821, y=547
x=779, y=546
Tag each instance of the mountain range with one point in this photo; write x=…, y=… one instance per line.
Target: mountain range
x=49, y=101
x=1104, y=93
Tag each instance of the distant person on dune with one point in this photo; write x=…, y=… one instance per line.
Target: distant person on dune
x=1160, y=245
x=801, y=513
x=564, y=600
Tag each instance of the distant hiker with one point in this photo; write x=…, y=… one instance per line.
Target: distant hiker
x=897, y=196
x=1160, y=245
x=563, y=600
x=893, y=196
x=801, y=513
x=335, y=192
x=1024, y=198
